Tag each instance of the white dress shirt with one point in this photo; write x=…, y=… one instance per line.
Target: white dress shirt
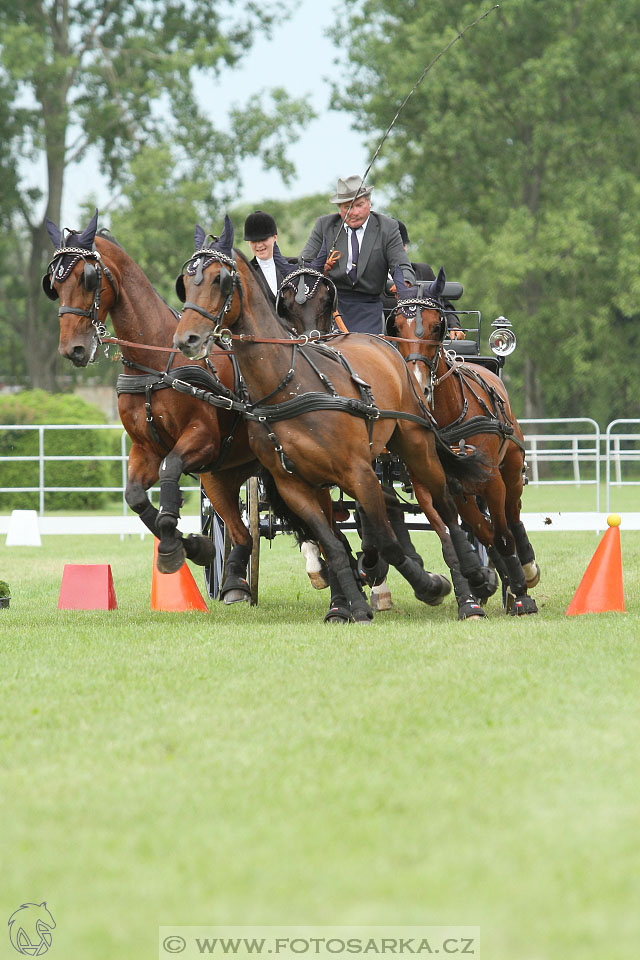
x=268, y=268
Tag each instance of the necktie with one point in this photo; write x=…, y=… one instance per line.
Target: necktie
x=355, y=250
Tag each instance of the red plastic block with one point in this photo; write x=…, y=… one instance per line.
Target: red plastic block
x=87, y=586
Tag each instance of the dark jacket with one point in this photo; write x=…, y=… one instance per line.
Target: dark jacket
x=382, y=251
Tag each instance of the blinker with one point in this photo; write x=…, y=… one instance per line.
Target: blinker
x=90, y=277
x=226, y=282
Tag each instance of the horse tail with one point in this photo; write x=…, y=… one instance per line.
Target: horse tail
x=462, y=470
x=290, y=521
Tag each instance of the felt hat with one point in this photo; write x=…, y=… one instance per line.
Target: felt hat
x=350, y=188
x=259, y=225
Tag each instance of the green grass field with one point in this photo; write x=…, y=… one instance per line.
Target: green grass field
x=253, y=766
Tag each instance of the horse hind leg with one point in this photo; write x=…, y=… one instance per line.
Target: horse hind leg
x=315, y=565
x=525, y=553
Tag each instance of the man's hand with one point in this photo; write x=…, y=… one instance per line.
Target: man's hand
x=456, y=334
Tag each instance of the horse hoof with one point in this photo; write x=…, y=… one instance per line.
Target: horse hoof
x=235, y=590
x=381, y=601
x=200, y=550
x=469, y=609
x=487, y=586
x=315, y=565
x=172, y=561
x=339, y=615
x=532, y=574
x=236, y=596
x=523, y=605
x=437, y=590
x=319, y=578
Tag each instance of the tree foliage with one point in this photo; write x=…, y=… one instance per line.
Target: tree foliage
x=124, y=79
x=515, y=163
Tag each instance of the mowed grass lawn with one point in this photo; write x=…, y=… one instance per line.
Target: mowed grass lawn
x=252, y=765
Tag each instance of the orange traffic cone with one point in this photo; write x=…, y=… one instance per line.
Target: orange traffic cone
x=601, y=588
x=174, y=591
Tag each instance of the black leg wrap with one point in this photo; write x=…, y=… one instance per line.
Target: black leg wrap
x=523, y=546
x=521, y=606
x=149, y=516
x=469, y=607
x=482, y=579
x=428, y=587
x=499, y=564
x=399, y=527
x=239, y=554
x=339, y=611
x=373, y=575
x=235, y=572
x=517, y=582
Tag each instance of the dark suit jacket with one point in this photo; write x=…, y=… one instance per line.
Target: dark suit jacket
x=263, y=282
x=381, y=253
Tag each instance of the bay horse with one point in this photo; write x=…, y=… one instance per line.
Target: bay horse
x=315, y=422
x=471, y=406
x=171, y=432
x=307, y=301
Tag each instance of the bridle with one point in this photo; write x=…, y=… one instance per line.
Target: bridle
x=92, y=279
x=303, y=291
x=229, y=282
x=413, y=307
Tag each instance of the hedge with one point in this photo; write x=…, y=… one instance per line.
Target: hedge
x=36, y=407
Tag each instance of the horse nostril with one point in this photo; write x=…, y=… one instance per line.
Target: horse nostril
x=77, y=353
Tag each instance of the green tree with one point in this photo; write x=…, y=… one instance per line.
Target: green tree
x=122, y=78
x=515, y=164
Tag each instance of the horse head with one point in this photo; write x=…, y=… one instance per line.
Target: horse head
x=307, y=299
x=420, y=321
x=208, y=286
x=75, y=276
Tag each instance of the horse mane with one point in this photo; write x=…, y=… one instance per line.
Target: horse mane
x=106, y=234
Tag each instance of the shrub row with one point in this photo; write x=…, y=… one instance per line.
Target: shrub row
x=38, y=407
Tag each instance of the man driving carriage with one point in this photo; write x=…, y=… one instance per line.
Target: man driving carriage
x=365, y=247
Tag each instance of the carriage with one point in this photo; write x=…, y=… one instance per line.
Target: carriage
x=256, y=508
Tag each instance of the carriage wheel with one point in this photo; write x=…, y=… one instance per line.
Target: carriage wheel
x=253, y=513
x=212, y=525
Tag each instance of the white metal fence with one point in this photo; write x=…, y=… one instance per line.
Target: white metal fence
x=558, y=451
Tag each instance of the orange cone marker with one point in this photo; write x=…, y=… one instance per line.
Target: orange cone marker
x=601, y=589
x=87, y=586
x=173, y=592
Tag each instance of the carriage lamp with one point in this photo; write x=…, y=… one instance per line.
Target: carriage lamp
x=502, y=339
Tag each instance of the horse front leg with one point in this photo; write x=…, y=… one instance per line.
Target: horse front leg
x=519, y=603
x=171, y=549
x=142, y=472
